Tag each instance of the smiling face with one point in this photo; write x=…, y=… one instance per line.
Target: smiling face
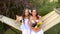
x=26, y=12
x=34, y=13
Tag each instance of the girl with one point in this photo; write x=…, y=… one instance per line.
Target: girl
x=32, y=23
x=24, y=19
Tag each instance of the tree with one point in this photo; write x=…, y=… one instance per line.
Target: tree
x=10, y=8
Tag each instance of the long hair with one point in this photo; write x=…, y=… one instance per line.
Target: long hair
x=23, y=14
x=36, y=13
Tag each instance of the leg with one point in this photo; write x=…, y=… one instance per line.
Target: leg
x=29, y=31
x=32, y=32
x=24, y=31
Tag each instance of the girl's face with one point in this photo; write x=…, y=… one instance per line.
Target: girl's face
x=26, y=13
x=34, y=12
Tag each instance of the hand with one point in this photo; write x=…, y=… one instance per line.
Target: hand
x=36, y=29
x=17, y=18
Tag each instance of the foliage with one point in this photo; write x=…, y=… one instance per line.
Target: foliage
x=43, y=6
x=11, y=8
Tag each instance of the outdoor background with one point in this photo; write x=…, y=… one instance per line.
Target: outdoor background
x=11, y=8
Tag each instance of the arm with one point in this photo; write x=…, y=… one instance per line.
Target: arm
x=38, y=28
x=40, y=18
x=40, y=23
x=32, y=28
x=29, y=24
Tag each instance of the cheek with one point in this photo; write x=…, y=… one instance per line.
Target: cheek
x=34, y=13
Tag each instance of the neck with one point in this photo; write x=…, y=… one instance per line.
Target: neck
x=34, y=16
x=26, y=16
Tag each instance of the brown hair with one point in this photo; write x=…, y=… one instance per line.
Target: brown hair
x=36, y=12
x=23, y=14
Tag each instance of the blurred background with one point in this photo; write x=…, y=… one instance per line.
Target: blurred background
x=11, y=8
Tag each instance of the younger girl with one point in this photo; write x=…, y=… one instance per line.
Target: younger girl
x=24, y=19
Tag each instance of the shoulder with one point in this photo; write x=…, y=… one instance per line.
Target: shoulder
x=30, y=17
x=39, y=16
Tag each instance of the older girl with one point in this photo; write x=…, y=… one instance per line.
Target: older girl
x=33, y=19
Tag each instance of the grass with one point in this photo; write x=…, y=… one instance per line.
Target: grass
x=54, y=30
x=9, y=32
x=12, y=31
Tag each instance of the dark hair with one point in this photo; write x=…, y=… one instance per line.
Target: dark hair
x=36, y=13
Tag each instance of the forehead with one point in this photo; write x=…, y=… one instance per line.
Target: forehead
x=26, y=10
x=34, y=11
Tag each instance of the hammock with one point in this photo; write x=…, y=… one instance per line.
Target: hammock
x=49, y=21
